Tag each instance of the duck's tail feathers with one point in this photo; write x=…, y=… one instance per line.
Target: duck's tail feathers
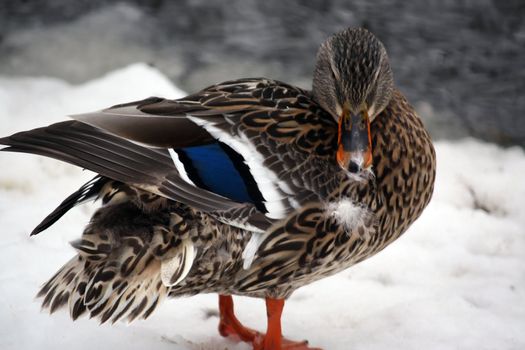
x=128, y=258
x=87, y=287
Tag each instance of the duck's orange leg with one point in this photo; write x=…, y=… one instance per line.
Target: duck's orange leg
x=273, y=339
x=229, y=325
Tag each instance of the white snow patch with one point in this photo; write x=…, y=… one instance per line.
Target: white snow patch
x=456, y=280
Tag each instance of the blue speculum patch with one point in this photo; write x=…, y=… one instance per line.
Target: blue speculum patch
x=211, y=167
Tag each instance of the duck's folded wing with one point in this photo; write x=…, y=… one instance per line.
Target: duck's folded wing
x=236, y=148
x=119, y=159
x=225, y=138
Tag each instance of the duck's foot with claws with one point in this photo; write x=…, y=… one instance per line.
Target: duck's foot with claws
x=230, y=326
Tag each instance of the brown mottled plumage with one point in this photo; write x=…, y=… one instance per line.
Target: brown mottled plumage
x=166, y=229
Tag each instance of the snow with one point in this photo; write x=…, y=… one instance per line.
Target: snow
x=456, y=279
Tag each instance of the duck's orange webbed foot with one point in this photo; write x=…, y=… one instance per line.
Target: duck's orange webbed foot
x=230, y=326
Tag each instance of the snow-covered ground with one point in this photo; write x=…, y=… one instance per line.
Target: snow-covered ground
x=455, y=280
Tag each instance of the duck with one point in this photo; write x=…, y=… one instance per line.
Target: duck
x=250, y=187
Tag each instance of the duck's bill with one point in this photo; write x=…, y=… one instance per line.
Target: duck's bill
x=354, y=151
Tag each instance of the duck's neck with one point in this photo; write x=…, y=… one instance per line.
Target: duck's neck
x=404, y=169
x=404, y=166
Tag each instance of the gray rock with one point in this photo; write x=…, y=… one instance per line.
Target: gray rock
x=461, y=63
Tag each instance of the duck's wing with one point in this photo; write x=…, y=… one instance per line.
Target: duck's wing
x=231, y=149
x=241, y=139
x=119, y=159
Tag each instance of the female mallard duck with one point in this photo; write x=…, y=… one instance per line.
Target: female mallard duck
x=249, y=187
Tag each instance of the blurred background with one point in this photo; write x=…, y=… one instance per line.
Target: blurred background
x=455, y=281
x=460, y=62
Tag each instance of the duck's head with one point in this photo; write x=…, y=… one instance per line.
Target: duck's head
x=353, y=82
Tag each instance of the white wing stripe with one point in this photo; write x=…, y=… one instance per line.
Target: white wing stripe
x=180, y=167
x=265, y=178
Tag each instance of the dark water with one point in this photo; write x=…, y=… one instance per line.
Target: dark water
x=461, y=63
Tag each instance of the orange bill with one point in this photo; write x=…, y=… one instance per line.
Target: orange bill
x=354, y=150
